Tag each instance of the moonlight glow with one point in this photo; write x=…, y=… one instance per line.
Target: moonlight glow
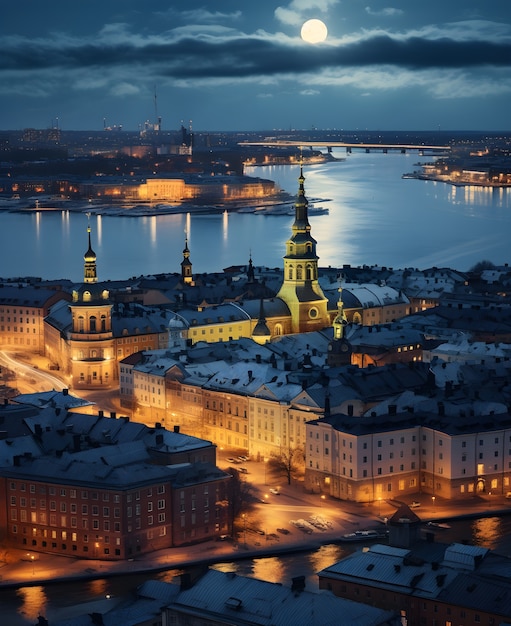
x=314, y=31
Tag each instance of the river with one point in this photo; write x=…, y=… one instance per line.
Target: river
x=22, y=607
x=375, y=218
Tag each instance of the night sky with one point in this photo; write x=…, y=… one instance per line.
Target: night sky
x=240, y=65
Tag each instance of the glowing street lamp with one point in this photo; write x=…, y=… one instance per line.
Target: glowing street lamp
x=433, y=501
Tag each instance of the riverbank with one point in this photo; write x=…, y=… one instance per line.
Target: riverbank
x=25, y=569
x=457, y=182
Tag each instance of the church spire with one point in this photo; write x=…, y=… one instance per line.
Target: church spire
x=301, y=206
x=261, y=333
x=250, y=270
x=186, y=265
x=300, y=289
x=89, y=271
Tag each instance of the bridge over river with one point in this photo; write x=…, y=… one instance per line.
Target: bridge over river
x=329, y=145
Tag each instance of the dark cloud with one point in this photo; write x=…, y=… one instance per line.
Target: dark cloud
x=247, y=56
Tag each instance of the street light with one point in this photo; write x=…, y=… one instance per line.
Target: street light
x=244, y=529
x=433, y=500
x=265, y=463
x=322, y=499
x=32, y=557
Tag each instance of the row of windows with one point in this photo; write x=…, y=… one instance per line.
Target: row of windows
x=15, y=329
x=20, y=311
x=402, y=440
x=14, y=320
x=84, y=494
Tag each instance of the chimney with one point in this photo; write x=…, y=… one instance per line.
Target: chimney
x=298, y=584
x=65, y=392
x=113, y=414
x=176, y=428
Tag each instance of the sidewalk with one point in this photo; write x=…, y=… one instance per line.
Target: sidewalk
x=21, y=570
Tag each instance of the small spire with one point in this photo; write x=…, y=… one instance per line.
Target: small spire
x=186, y=264
x=250, y=271
x=89, y=272
x=261, y=333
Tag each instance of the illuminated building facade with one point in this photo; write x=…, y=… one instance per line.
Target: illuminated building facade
x=382, y=457
x=300, y=288
x=110, y=510
x=22, y=313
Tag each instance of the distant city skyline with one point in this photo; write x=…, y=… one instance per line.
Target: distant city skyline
x=422, y=66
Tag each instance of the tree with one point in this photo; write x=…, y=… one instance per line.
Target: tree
x=240, y=493
x=290, y=463
x=481, y=266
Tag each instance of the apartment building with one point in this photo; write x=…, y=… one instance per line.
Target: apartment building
x=367, y=459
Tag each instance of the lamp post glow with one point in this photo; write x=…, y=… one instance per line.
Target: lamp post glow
x=433, y=501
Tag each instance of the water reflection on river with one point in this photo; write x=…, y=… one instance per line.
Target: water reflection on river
x=23, y=606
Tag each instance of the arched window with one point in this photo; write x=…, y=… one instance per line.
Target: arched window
x=290, y=273
x=81, y=324
x=86, y=296
x=103, y=323
x=299, y=272
x=357, y=318
x=92, y=323
x=277, y=330
x=309, y=274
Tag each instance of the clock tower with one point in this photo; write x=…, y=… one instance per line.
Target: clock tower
x=300, y=289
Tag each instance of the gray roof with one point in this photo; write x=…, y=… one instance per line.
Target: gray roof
x=26, y=296
x=456, y=573
x=231, y=599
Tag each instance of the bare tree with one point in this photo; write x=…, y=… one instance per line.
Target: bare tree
x=290, y=463
x=240, y=494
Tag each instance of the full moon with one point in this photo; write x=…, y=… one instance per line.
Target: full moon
x=314, y=31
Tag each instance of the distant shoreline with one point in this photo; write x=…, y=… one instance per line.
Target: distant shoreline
x=455, y=183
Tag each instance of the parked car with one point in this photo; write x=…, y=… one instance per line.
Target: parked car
x=283, y=531
x=415, y=504
x=243, y=470
x=274, y=491
x=243, y=458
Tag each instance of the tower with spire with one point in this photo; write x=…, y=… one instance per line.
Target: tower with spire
x=339, y=349
x=186, y=266
x=91, y=343
x=90, y=272
x=300, y=289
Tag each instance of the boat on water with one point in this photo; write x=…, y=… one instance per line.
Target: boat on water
x=365, y=535
x=440, y=525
